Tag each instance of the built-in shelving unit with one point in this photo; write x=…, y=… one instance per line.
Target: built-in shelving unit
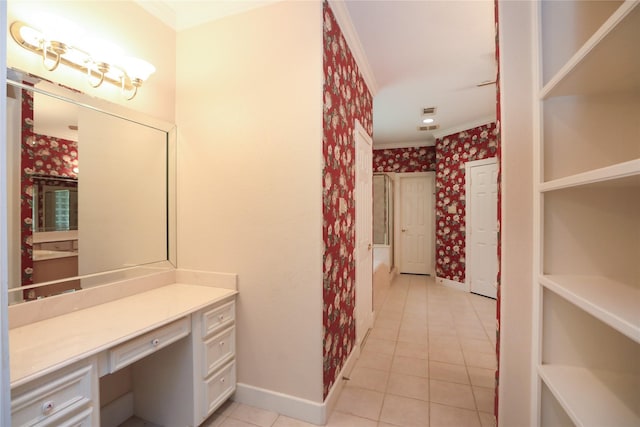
x=587, y=221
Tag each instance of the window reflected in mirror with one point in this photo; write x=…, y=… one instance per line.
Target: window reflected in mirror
x=55, y=204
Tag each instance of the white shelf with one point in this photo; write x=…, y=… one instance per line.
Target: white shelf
x=614, y=303
x=608, y=61
x=593, y=397
x=607, y=174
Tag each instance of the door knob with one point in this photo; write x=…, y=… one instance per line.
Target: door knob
x=403, y=230
x=369, y=246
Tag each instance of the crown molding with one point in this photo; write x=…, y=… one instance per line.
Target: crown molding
x=161, y=10
x=343, y=18
x=465, y=126
x=406, y=144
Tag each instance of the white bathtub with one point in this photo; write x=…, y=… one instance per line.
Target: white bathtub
x=382, y=274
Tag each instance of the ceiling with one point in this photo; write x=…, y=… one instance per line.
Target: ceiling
x=420, y=54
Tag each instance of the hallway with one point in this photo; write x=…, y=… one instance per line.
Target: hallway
x=428, y=361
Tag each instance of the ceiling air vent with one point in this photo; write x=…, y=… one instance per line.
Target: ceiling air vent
x=429, y=110
x=431, y=127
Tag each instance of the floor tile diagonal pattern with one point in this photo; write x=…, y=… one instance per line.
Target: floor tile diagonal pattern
x=428, y=361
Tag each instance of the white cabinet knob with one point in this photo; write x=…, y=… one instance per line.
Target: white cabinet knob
x=221, y=317
x=155, y=342
x=222, y=380
x=47, y=407
x=221, y=343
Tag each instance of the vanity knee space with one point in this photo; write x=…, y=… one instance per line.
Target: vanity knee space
x=185, y=382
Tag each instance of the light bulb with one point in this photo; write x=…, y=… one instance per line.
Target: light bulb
x=137, y=69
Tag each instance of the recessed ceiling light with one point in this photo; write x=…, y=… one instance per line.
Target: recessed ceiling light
x=428, y=120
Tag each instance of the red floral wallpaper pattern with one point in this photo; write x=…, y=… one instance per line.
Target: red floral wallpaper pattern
x=40, y=155
x=412, y=159
x=346, y=99
x=452, y=152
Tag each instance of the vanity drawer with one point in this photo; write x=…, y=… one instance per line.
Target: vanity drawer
x=137, y=348
x=218, y=349
x=217, y=317
x=70, y=418
x=53, y=396
x=219, y=387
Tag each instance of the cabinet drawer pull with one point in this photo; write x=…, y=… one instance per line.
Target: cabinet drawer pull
x=155, y=342
x=222, y=380
x=47, y=407
x=221, y=343
x=221, y=317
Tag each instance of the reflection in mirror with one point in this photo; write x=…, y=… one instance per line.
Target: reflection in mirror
x=55, y=204
x=90, y=191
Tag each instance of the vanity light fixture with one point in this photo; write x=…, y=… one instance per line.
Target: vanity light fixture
x=126, y=72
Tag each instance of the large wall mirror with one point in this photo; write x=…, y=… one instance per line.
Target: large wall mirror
x=91, y=188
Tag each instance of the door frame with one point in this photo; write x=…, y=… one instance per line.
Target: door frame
x=360, y=135
x=397, y=209
x=467, y=218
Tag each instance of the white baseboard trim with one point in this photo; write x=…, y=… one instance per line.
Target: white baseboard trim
x=291, y=406
x=295, y=407
x=453, y=284
x=117, y=412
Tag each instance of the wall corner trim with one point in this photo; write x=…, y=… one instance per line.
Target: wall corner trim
x=343, y=18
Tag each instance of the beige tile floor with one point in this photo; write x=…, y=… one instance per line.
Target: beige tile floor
x=428, y=361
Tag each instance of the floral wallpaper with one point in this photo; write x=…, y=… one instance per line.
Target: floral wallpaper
x=346, y=99
x=412, y=159
x=452, y=152
x=44, y=156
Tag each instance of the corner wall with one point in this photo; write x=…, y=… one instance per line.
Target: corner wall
x=516, y=282
x=452, y=152
x=346, y=99
x=249, y=115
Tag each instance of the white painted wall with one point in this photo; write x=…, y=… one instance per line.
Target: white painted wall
x=249, y=115
x=516, y=87
x=121, y=23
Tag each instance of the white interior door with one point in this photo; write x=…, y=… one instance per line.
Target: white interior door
x=482, y=227
x=364, y=232
x=416, y=235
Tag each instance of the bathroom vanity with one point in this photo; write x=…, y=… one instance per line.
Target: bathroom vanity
x=103, y=326
x=178, y=339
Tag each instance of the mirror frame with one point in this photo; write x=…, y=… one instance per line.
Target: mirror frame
x=16, y=290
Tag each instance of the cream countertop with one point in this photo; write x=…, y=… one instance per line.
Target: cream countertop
x=42, y=347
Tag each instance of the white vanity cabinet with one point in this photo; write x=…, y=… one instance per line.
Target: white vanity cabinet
x=217, y=370
x=66, y=397
x=193, y=376
x=178, y=341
